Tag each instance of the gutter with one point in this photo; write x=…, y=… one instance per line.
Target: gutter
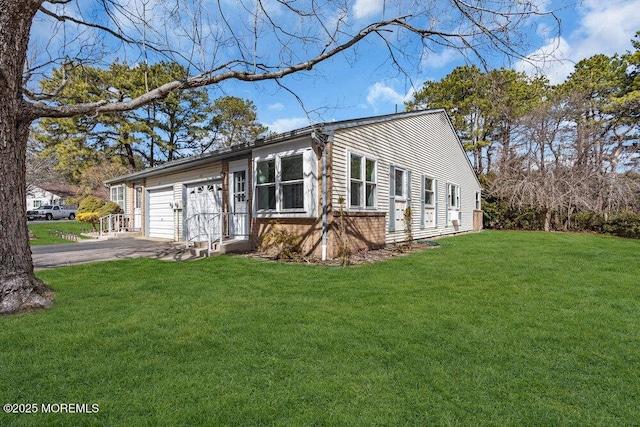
x=321, y=140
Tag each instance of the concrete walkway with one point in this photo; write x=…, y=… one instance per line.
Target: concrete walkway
x=51, y=256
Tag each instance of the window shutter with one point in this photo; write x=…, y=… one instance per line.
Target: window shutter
x=408, y=188
x=392, y=198
x=422, y=201
x=435, y=202
x=409, y=195
x=459, y=205
x=446, y=205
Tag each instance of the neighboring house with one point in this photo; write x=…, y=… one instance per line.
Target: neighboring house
x=48, y=194
x=353, y=178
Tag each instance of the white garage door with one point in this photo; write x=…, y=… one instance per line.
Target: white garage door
x=161, y=223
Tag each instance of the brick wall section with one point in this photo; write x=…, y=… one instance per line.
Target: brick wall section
x=362, y=231
x=309, y=229
x=478, y=220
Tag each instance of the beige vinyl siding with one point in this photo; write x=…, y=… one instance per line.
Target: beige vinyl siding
x=129, y=198
x=178, y=180
x=423, y=144
x=202, y=173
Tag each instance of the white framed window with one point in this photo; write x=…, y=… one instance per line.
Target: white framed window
x=478, y=201
x=285, y=183
x=400, y=181
x=429, y=192
x=363, y=179
x=292, y=182
x=453, y=195
x=138, y=198
x=118, y=195
x=266, y=184
x=37, y=203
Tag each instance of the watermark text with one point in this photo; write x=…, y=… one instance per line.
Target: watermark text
x=51, y=408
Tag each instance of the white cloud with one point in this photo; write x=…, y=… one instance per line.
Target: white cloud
x=607, y=27
x=285, y=125
x=438, y=60
x=278, y=106
x=603, y=27
x=552, y=60
x=367, y=8
x=380, y=94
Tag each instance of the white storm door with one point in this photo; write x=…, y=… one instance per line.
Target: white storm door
x=239, y=205
x=137, y=209
x=203, y=212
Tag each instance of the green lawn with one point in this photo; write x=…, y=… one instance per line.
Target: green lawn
x=497, y=328
x=45, y=237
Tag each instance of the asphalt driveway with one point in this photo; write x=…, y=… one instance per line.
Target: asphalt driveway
x=51, y=256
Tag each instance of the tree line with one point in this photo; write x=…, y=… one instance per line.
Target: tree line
x=86, y=150
x=563, y=157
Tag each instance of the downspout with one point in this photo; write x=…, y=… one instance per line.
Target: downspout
x=322, y=144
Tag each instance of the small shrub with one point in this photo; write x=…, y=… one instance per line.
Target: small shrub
x=588, y=221
x=90, y=210
x=90, y=204
x=407, y=226
x=280, y=243
x=624, y=224
x=89, y=217
x=499, y=215
x=110, y=208
x=344, y=251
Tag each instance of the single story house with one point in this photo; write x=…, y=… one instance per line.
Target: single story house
x=49, y=194
x=360, y=183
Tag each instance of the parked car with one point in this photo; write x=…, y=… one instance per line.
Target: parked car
x=49, y=212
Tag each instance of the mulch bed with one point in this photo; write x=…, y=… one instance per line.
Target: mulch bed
x=363, y=256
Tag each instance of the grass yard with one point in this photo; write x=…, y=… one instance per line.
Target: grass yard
x=45, y=237
x=497, y=328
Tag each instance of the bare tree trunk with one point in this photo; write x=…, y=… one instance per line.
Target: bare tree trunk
x=131, y=158
x=547, y=220
x=19, y=288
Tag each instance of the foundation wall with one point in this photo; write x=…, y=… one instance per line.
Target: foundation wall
x=358, y=231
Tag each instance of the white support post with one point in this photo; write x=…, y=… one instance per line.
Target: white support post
x=221, y=222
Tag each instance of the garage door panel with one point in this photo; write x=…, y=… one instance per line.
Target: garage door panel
x=161, y=217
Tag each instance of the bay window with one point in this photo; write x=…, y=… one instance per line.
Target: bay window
x=280, y=184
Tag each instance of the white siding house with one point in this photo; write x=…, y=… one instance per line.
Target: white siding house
x=373, y=176
x=418, y=162
x=48, y=194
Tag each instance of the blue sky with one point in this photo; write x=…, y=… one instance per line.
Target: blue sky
x=360, y=83
x=343, y=91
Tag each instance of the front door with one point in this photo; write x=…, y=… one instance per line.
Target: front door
x=238, y=204
x=137, y=209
